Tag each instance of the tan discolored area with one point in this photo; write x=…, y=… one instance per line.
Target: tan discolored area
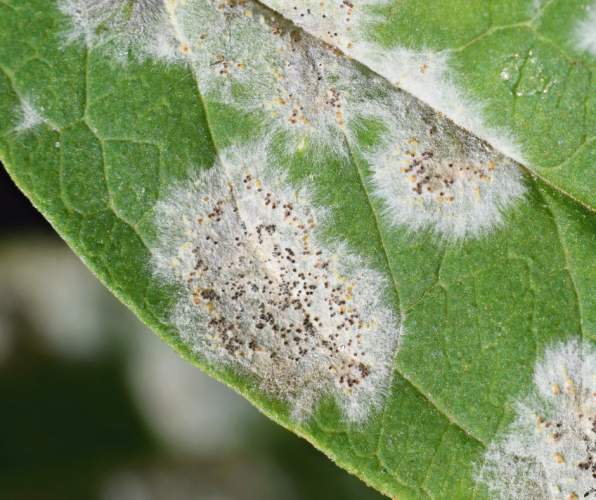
x=438, y=177
x=338, y=22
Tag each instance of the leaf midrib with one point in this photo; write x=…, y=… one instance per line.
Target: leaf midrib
x=533, y=173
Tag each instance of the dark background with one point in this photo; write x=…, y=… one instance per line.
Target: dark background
x=71, y=427
x=17, y=216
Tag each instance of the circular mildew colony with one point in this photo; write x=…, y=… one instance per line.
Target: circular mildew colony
x=442, y=180
x=262, y=291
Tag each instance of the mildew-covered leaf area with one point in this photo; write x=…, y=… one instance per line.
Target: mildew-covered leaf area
x=261, y=292
x=29, y=117
x=444, y=181
x=457, y=56
x=549, y=451
x=243, y=56
x=424, y=73
x=306, y=93
x=295, y=212
x=585, y=30
x=119, y=26
x=248, y=58
x=338, y=22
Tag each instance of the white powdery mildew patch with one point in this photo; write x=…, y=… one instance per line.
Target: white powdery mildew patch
x=585, y=31
x=549, y=451
x=447, y=180
x=121, y=27
x=262, y=292
x=536, y=7
x=243, y=57
x=29, y=116
x=305, y=93
x=426, y=75
x=247, y=58
x=434, y=176
x=337, y=22
x=423, y=73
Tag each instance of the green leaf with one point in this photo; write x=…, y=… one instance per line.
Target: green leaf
x=526, y=66
x=390, y=254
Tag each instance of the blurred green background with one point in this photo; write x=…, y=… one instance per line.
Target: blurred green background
x=94, y=406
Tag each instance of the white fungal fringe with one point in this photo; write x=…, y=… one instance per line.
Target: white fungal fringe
x=306, y=95
x=121, y=27
x=263, y=292
x=434, y=177
x=549, y=451
x=585, y=31
x=29, y=116
x=423, y=73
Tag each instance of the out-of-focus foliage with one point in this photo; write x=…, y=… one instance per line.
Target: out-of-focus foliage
x=99, y=409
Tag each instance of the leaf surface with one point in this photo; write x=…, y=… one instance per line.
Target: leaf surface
x=104, y=128
x=527, y=67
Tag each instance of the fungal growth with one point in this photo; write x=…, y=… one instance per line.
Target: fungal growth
x=244, y=57
x=549, y=451
x=263, y=292
x=257, y=62
x=29, y=116
x=585, y=31
x=444, y=180
x=337, y=22
x=303, y=93
x=425, y=74
x=118, y=25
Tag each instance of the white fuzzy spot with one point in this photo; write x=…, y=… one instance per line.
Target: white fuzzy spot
x=505, y=74
x=121, y=27
x=309, y=90
x=585, y=31
x=336, y=22
x=261, y=65
x=470, y=185
x=29, y=116
x=434, y=176
x=243, y=57
x=537, y=6
x=425, y=75
x=549, y=451
x=264, y=292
